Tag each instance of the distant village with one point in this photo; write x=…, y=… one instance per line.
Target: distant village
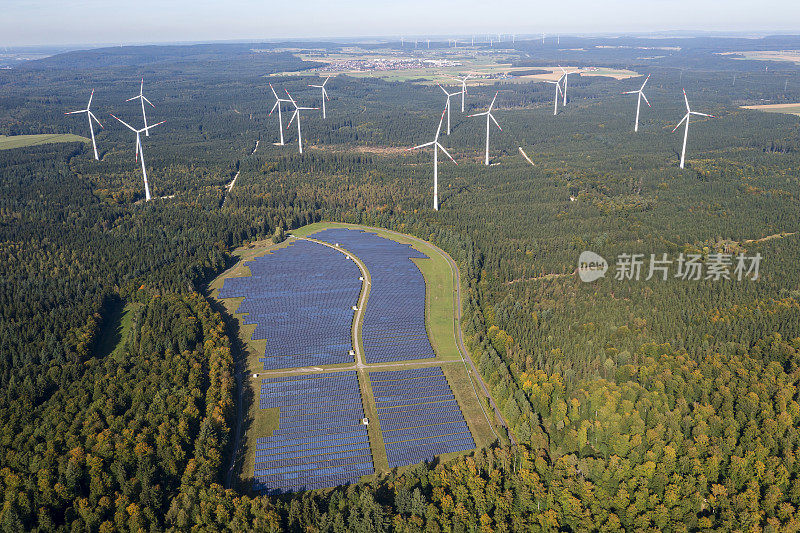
x=387, y=64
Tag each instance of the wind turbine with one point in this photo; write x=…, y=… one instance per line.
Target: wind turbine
x=436, y=148
x=144, y=99
x=686, y=118
x=558, y=90
x=91, y=117
x=447, y=106
x=278, y=101
x=324, y=95
x=566, y=79
x=640, y=92
x=489, y=116
x=463, y=82
x=140, y=152
x=296, y=115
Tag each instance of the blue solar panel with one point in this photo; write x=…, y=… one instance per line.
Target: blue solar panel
x=300, y=299
x=320, y=440
x=419, y=416
x=394, y=319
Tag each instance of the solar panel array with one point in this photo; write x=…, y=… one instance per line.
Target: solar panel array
x=300, y=298
x=394, y=320
x=419, y=416
x=320, y=441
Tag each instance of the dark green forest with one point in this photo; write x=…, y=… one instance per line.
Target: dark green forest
x=637, y=405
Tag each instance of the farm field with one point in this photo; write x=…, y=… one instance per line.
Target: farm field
x=8, y=142
x=439, y=322
x=792, y=56
x=786, y=109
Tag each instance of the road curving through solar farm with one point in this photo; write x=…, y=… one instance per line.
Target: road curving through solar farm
x=351, y=364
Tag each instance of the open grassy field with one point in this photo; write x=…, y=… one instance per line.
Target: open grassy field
x=792, y=56
x=379, y=459
x=485, y=68
x=787, y=109
x=440, y=314
x=21, y=141
x=258, y=423
x=116, y=330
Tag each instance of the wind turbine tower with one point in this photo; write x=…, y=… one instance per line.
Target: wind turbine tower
x=463, y=82
x=436, y=148
x=641, y=96
x=140, y=152
x=91, y=117
x=558, y=90
x=489, y=117
x=278, y=102
x=324, y=95
x=447, y=105
x=296, y=115
x=686, y=119
x=566, y=79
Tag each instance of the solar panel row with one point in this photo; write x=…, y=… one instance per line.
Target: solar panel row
x=320, y=440
x=300, y=299
x=419, y=416
x=394, y=319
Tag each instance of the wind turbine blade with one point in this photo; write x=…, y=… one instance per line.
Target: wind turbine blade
x=441, y=120
x=493, y=100
x=137, y=147
x=90, y=100
x=684, y=119
x=631, y=92
x=478, y=114
x=645, y=82
x=76, y=112
x=443, y=90
x=148, y=101
x=150, y=127
x=646, y=100
x=326, y=81
x=125, y=123
x=290, y=97
x=95, y=119
x=325, y=94
x=422, y=145
x=277, y=103
x=296, y=111
x=702, y=115
x=686, y=99
x=134, y=98
x=273, y=91
x=528, y=159
x=495, y=122
x=446, y=153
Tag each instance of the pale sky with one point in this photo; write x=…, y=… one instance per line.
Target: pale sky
x=46, y=22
